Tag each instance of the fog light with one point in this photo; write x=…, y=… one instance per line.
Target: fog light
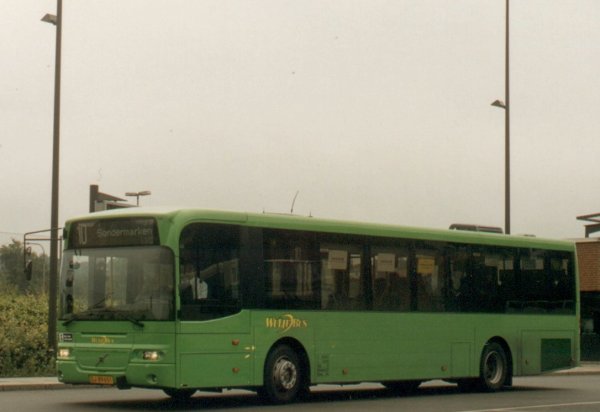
x=64, y=353
x=151, y=355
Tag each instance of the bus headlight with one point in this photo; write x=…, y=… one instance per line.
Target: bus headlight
x=64, y=352
x=151, y=355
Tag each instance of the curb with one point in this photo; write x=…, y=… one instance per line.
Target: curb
x=35, y=384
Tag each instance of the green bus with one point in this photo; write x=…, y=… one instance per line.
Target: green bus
x=185, y=300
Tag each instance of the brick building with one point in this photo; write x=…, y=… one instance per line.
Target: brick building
x=588, y=259
x=588, y=256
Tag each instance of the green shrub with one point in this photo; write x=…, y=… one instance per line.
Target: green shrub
x=23, y=336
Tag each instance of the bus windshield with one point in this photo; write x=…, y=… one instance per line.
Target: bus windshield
x=122, y=283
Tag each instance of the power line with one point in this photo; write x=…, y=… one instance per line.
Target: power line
x=11, y=233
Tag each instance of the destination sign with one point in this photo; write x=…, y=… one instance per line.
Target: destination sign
x=114, y=232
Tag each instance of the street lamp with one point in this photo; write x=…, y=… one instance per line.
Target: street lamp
x=28, y=253
x=506, y=106
x=138, y=194
x=50, y=18
x=53, y=282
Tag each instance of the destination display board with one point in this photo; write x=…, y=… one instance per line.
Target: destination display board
x=114, y=232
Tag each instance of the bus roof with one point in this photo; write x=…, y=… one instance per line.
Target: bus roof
x=181, y=217
x=475, y=228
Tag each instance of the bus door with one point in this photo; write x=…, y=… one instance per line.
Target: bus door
x=214, y=343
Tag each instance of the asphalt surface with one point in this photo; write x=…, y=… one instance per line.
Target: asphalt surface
x=43, y=383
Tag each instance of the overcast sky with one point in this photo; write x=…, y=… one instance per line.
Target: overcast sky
x=373, y=110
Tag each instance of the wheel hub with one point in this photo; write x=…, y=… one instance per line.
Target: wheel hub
x=285, y=374
x=493, y=368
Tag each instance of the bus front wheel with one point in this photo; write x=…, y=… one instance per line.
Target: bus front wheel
x=283, y=376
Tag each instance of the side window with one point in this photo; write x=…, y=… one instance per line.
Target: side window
x=292, y=269
x=508, y=290
x=460, y=279
x=209, y=271
x=391, y=283
x=431, y=280
x=547, y=282
x=482, y=279
x=534, y=284
x=562, y=288
x=491, y=287
x=341, y=277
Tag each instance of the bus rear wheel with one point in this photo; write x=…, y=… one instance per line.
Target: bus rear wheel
x=283, y=376
x=493, y=368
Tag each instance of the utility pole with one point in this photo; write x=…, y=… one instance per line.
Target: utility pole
x=53, y=281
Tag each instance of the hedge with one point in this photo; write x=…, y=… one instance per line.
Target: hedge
x=24, y=347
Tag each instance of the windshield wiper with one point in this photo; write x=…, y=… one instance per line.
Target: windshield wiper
x=101, y=314
x=130, y=319
x=73, y=318
x=90, y=314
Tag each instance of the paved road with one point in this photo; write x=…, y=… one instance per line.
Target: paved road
x=554, y=393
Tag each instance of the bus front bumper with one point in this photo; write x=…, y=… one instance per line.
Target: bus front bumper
x=134, y=375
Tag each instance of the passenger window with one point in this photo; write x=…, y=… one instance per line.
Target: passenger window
x=489, y=266
x=341, y=277
x=534, y=283
x=430, y=278
x=547, y=282
x=391, y=283
x=459, y=282
x=291, y=266
x=482, y=279
x=562, y=284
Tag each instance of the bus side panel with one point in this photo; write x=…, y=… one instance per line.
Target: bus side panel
x=547, y=350
x=384, y=346
x=461, y=364
x=355, y=347
x=215, y=353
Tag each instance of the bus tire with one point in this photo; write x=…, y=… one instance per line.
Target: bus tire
x=494, y=368
x=283, y=376
x=179, y=395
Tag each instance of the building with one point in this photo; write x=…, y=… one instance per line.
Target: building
x=101, y=201
x=588, y=258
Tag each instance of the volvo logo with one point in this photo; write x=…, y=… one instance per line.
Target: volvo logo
x=101, y=359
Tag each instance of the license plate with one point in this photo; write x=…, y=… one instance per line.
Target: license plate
x=102, y=380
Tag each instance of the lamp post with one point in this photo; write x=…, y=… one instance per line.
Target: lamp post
x=53, y=281
x=506, y=106
x=138, y=194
